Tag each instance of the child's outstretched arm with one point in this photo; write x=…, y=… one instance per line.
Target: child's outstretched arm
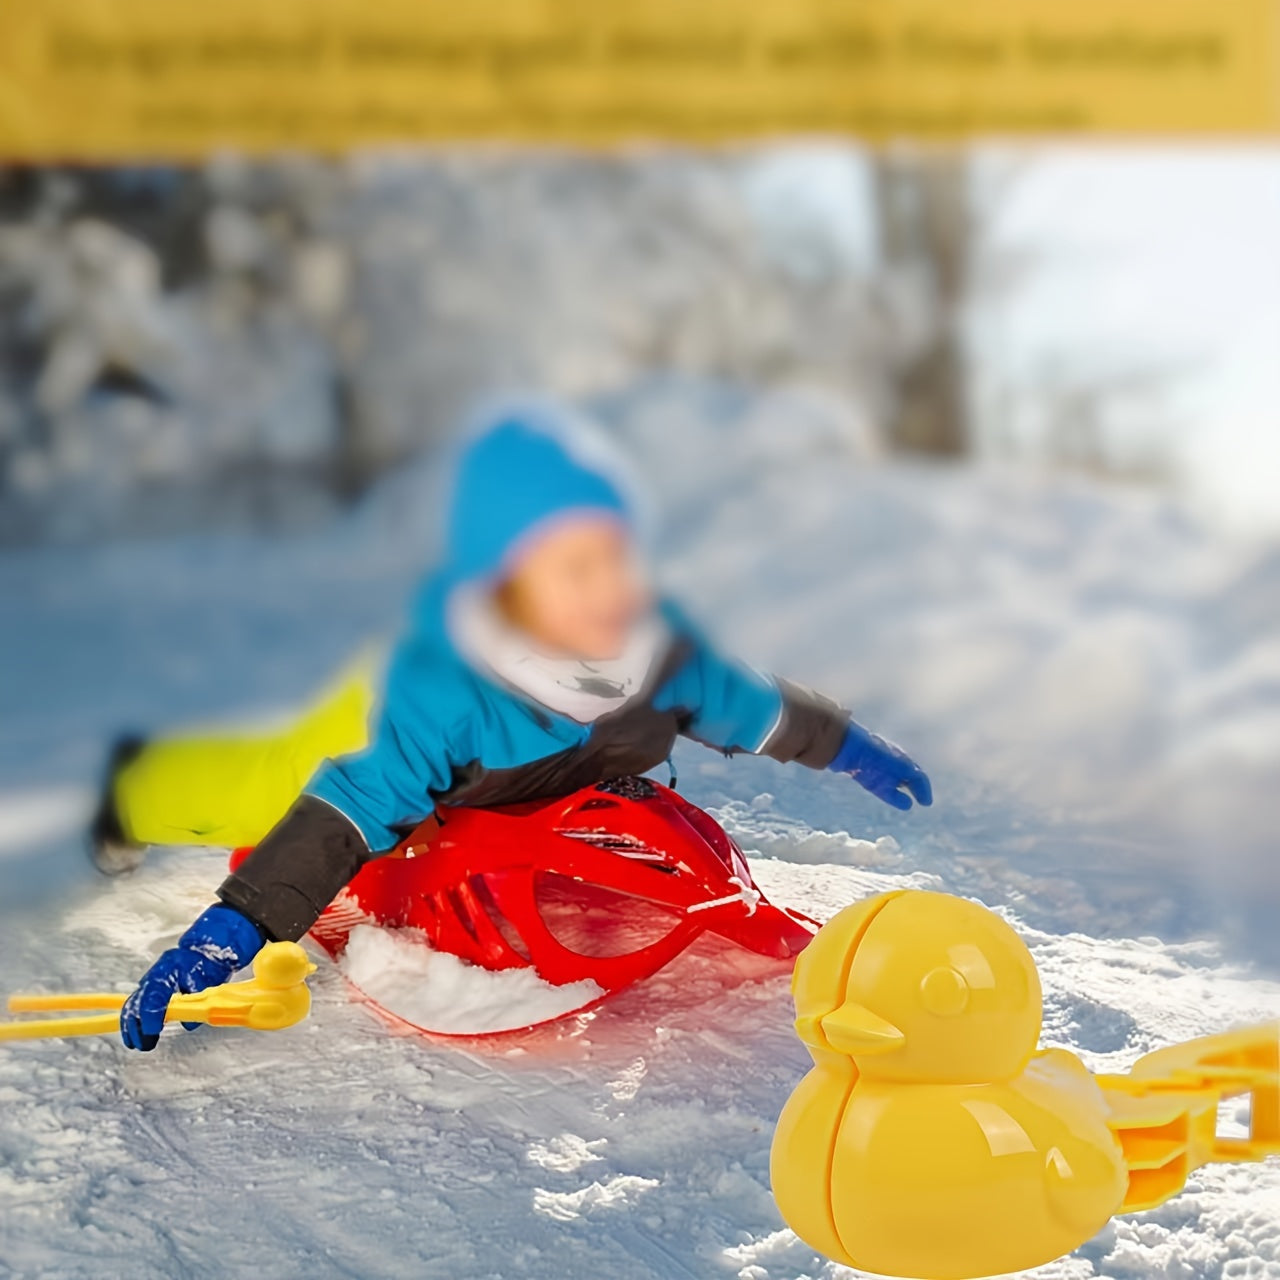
x=352, y=810
x=733, y=708
x=348, y=814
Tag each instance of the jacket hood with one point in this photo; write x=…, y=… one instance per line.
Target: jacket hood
x=525, y=466
x=529, y=466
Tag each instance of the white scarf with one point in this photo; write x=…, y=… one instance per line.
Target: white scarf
x=583, y=691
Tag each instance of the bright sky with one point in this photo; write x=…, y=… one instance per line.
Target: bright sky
x=1172, y=255
x=1164, y=257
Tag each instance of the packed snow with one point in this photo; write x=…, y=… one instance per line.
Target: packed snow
x=400, y=971
x=1090, y=678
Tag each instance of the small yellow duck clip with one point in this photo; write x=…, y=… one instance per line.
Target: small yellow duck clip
x=933, y=1139
x=277, y=996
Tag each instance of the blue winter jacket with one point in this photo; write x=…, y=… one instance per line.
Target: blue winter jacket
x=449, y=732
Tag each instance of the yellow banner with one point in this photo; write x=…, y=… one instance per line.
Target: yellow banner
x=123, y=79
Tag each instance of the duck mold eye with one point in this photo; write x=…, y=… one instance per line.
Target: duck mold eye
x=944, y=992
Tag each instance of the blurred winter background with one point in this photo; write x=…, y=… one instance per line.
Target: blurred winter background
x=254, y=344
x=985, y=443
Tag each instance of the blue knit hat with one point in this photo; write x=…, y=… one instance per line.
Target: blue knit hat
x=529, y=465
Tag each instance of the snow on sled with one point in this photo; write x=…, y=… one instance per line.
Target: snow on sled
x=486, y=921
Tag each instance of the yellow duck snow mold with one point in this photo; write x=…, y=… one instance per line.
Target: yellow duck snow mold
x=932, y=1138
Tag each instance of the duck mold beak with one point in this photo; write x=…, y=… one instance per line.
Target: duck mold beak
x=852, y=1028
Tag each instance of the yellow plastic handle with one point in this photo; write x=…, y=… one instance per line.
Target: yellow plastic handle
x=91, y=1026
x=57, y=1003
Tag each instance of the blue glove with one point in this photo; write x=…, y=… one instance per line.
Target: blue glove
x=221, y=942
x=882, y=768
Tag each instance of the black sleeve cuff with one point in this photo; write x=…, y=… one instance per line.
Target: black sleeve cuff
x=811, y=729
x=303, y=863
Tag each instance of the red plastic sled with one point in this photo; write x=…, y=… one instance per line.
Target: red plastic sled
x=608, y=884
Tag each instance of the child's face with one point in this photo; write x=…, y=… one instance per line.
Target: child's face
x=578, y=590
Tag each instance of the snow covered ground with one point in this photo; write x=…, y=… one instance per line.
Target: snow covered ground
x=1092, y=680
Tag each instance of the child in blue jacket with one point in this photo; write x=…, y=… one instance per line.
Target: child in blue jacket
x=538, y=663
